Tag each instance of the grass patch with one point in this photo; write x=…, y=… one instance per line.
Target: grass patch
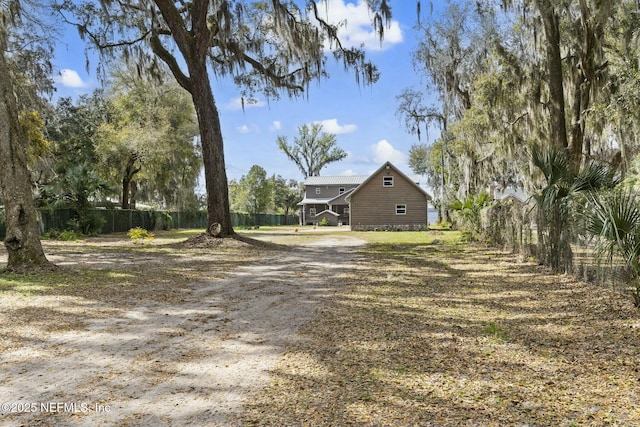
x=494, y=331
x=177, y=234
x=409, y=237
x=292, y=234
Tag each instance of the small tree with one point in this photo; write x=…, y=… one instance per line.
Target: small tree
x=312, y=150
x=286, y=195
x=253, y=192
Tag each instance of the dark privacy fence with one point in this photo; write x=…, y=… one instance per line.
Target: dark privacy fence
x=122, y=220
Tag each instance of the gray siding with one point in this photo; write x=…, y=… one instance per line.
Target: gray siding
x=374, y=206
x=326, y=191
x=307, y=214
x=331, y=219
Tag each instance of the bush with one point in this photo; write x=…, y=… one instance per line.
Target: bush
x=160, y=220
x=87, y=223
x=139, y=233
x=53, y=234
x=324, y=222
x=66, y=235
x=70, y=235
x=613, y=219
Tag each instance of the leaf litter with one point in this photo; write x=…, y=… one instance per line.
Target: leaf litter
x=459, y=336
x=432, y=335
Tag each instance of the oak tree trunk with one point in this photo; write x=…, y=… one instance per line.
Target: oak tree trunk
x=194, y=45
x=23, y=237
x=551, y=23
x=215, y=174
x=127, y=179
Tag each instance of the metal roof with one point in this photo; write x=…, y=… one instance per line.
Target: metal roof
x=335, y=180
x=346, y=179
x=310, y=201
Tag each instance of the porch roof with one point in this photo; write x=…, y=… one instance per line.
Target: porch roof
x=310, y=201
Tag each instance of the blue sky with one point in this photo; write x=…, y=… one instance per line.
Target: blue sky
x=363, y=118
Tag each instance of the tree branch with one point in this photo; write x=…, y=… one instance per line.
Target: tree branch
x=166, y=56
x=279, y=81
x=84, y=31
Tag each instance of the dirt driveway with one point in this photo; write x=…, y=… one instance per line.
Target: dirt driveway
x=184, y=345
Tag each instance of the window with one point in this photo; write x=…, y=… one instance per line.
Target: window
x=401, y=209
x=312, y=212
x=340, y=190
x=387, y=181
x=317, y=190
x=345, y=211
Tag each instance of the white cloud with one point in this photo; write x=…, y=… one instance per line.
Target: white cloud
x=332, y=126
x=236, y=103
x=383, y=151
x=358, y=30
x=276, y=125
x=70, y=78
x=243, y=129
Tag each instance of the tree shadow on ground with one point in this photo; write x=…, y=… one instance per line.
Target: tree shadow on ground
x=163, y=335
x=459, y=335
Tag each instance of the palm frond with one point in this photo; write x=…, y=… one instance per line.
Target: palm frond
x=553, y=162
x=593, y=177
x=614, y=219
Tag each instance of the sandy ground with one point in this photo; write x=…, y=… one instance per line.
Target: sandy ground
x=188, y=360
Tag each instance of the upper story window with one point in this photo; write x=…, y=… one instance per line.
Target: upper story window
x=341, y=190
x=317, y=190
x=387, y=181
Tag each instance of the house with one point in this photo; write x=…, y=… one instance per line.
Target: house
x=327, y=193
x=507, y=194
x=385, y=200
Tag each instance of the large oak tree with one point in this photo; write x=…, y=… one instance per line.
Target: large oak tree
x=271, y=47
x=22, y=238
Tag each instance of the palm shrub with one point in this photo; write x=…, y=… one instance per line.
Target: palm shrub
x=561, y=197
x=78, y=188
x=467, y=211
x=613, y=219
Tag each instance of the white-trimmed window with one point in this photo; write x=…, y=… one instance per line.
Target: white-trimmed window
x=387, y=181
x=318, y=190
x=345, y=211
x=340, y=190
x=312, y=212
x=401, y=209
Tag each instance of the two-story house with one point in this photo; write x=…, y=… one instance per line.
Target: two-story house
x=385, y=200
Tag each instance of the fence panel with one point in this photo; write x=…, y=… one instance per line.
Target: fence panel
x=119, y=221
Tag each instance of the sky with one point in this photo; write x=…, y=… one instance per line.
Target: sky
x=363, y=118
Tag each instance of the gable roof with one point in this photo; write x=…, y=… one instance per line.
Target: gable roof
x=350, y=179
x=398, y=171
x=336, y=180
x=345, y=194
x=327, y=211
